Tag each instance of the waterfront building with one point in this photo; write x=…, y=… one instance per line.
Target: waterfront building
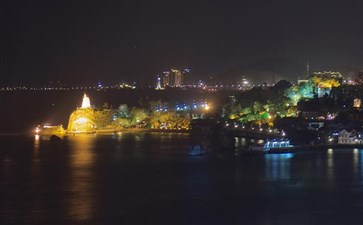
x=352, y=137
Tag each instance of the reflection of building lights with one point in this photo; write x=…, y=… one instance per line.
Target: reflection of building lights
x=330, y=151
x=37, y=137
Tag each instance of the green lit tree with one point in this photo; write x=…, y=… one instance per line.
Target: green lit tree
x=103, y=118
x=138, y=115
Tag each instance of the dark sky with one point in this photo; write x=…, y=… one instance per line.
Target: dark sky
x=82, y=41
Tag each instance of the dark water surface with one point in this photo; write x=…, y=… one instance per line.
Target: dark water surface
x=149, y=178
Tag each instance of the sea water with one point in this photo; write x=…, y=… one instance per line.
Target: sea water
x=149, y=178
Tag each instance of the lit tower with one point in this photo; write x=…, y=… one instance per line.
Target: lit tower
x=86, y=103
x=158, y=84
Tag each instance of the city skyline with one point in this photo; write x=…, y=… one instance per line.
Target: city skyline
x=114, y=41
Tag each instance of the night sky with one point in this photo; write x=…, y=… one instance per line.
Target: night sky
x=89, y=41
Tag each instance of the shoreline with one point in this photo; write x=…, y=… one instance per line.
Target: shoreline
x=115, y=131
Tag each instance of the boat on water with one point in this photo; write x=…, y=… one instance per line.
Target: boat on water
x=49, y=132
x=279, y=146
x=274, y=146
x=197, y=150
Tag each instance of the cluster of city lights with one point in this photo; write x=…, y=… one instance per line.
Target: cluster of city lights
x=185, y=107
x=193, y=106
x=257, y=128
x=99, y=86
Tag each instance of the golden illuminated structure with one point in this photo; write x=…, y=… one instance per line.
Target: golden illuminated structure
x=325, y=81
x=82, y=120
x=357, y=103
x=86, y=103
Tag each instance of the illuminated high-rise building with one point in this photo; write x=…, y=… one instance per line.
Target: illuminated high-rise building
x=166, y=78
x=177, y=78
x=174, y=78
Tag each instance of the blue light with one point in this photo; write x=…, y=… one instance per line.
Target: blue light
x=286, y=155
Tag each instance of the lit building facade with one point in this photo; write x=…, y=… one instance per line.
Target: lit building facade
x=357, y=103
x=178, y=78
x=174, y=78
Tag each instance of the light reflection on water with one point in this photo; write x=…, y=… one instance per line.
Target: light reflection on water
x=82, y=158
x=144, y=178
x=36, y=175
x=330, y=164
x=356, y=161
x=328, y=167
x=36, y=143
x=278, y=166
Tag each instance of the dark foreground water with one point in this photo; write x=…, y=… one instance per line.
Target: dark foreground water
x=148, y=178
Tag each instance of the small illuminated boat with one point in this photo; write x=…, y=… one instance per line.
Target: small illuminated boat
x=49, y=132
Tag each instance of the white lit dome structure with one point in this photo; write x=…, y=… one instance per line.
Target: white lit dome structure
x=86, y=103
